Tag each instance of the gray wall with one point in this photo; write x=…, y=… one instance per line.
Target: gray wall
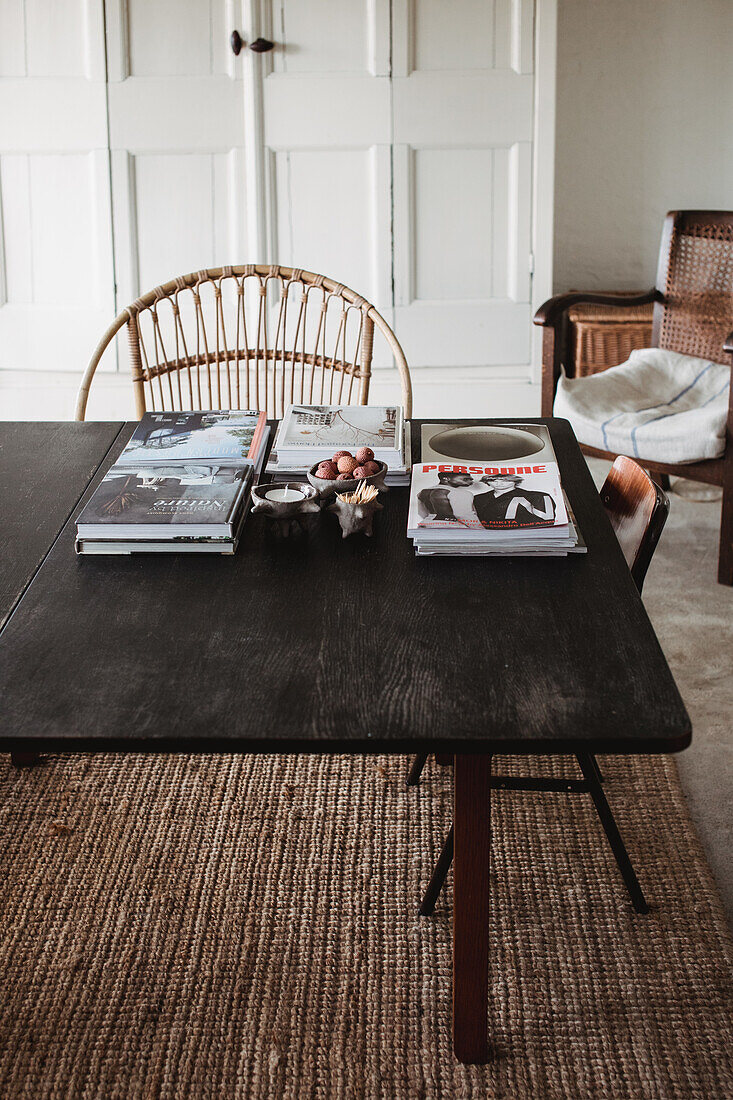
x=644, y=125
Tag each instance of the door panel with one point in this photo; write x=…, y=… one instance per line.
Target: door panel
x=56, y=288
x=462, y=123
x=329, y=36
x=346, y=240
x=176, y=138
x=326, y=133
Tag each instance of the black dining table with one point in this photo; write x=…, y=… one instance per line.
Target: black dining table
x=323, y=644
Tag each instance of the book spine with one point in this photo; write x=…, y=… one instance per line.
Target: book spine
x=257, y=437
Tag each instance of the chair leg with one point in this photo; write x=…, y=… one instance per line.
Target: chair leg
x=415, y=772
x=613, y=835
x=24, y=759
x=596, y=767
x=592, y=775
x=438, y=878
x=725, y=553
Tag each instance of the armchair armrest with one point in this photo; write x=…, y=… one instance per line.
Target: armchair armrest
x=553, y=308
x=728, y=345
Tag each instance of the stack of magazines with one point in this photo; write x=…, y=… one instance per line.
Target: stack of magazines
x=310, y=433
x=182, y=484
x=489, y=490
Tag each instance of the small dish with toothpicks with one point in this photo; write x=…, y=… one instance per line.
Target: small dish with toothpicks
x=355, y=510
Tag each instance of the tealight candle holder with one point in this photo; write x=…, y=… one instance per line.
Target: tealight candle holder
x=290, y=506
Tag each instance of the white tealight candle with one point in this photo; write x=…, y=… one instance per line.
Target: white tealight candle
x=285, y=496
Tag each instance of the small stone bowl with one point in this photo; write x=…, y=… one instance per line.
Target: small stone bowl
x=328, y=488
x=288, y=517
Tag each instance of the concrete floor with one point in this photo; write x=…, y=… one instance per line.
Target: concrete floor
x=693, y=618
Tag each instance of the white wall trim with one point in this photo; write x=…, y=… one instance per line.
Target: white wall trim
x=486, y=391
x=543, y=201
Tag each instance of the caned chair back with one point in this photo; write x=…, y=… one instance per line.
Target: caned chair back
x=695, y=280
x=638, y=510
x=250, y=337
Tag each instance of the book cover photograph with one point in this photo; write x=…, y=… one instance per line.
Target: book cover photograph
x=375, y=426
x=165, y=496
x=176, y=437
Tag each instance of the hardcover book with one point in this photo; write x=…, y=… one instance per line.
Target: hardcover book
x=168, y=437
x=165, y=501
x=182, y=475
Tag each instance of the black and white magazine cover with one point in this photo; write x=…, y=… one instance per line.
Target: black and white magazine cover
x=485, y=498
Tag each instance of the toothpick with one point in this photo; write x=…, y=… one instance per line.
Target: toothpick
x=364, y=494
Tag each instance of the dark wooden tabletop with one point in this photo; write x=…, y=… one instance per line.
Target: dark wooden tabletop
x=44, y=470
x=338, y=646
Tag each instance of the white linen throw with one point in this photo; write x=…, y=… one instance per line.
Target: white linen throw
x=658, y=405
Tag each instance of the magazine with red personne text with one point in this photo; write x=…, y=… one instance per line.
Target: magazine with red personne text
x=493, y=488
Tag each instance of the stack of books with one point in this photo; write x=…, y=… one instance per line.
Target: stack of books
x=311, y=433
x=182, y=484
x=489, y=490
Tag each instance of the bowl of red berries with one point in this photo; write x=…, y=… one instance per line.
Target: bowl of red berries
x=345, y=472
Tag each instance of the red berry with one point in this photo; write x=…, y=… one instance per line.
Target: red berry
x=364, y=455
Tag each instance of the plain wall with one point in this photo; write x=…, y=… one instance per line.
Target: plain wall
x=644, y=125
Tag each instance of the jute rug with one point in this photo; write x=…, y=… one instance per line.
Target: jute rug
x=246, y=927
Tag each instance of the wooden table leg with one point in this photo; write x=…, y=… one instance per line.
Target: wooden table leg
x=472, y=837
x=24, y=759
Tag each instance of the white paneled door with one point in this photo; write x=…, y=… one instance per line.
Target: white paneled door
x=463, y=128
x=388, y=143
x=324, y=121
x=176, y=137
x=56, y=269
x=397, y=154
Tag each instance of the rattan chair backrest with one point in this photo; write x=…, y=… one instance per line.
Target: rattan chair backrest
x=695, y=281
x=250, y=337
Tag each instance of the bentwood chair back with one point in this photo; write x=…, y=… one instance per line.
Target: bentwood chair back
x=249, y=337
x=638, y=510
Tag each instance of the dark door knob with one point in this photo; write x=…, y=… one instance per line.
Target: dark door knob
x=261, y=45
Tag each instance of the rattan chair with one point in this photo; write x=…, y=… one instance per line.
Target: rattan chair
x=638, y=510
x=249, y=337
x=693, y=315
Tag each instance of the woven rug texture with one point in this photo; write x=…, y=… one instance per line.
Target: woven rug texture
x=246, y=927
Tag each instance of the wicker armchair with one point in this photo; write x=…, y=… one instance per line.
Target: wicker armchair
x=249, y=337
x=693, y=315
